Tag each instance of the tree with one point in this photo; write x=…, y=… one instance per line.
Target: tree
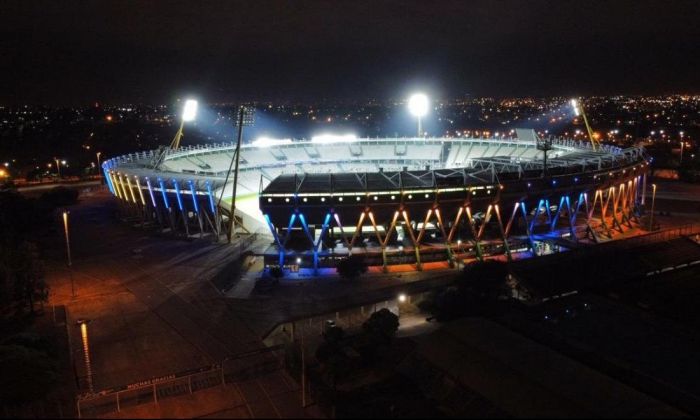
x=486, y=280
x=21, y=269
x=351, y=267
x=276, y=272
x=452, y=302
x=329, y=353
x=334, y=335
x=28, y=272
x=377, y=334
x=27, y=374
x=383, y=325
x=332, y=339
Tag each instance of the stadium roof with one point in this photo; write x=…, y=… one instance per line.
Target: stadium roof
x=355, y=182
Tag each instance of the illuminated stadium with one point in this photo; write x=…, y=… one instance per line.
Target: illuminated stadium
x=392, y=200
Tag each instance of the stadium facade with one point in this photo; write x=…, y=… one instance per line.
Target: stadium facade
x=393, y=200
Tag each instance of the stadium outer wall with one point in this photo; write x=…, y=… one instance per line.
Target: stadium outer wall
x=439, y=220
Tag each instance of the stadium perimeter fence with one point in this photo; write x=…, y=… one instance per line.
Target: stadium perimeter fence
x=231, y=370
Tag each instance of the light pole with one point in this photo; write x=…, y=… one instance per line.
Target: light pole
x=653, y=198
x=459, y=250
x=681, y=159
x=70, y=262
x=418, y=105
x=303, y=371
x=401, y=298
x=245, y=118
x=189, y=112
x=58, y=167
x=99, y=171
x=86, y=351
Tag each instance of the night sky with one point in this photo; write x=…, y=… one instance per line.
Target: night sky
x=79, y=52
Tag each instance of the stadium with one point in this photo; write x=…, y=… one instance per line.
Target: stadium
x=392, y=200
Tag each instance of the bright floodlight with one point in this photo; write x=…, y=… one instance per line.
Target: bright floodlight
x=333, y=138
x=190, y=110
x=574, y=104
x=418, y=105
x=267, y=142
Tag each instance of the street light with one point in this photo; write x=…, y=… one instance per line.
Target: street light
x=681, y=159
x=653, y=198
x=401, y=298
x=418, y=105
x=98, y=166
x=70, y=262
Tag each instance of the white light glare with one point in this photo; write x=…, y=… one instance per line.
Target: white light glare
x=267, y=142
x=418, y=104
x=190, y=110
x=333, y=138
x=574, y=104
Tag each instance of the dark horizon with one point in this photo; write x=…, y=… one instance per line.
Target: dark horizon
x=76, y=53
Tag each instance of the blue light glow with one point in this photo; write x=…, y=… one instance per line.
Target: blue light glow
x=177, y=194
x=211, y=199
x=194, y=196
x=165, y=195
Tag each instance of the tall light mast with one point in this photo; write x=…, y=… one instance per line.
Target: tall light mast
x=418, y=105
x=578, y=110
x=189, y=112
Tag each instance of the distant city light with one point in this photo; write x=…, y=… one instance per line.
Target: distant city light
x=189, y=112
x=333, y=138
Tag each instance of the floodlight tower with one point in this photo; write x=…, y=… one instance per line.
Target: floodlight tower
x=578, y=110
x=418, y=105
x=245, y=117
x=544, y=145
x=189, y=112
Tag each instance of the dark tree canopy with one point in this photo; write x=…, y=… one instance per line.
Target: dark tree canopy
x=383, y=324
x=27, y=373
x=276, y=272
x=351, y=267
x=485, y=279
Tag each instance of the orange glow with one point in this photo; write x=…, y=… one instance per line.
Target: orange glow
x=108, y=118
